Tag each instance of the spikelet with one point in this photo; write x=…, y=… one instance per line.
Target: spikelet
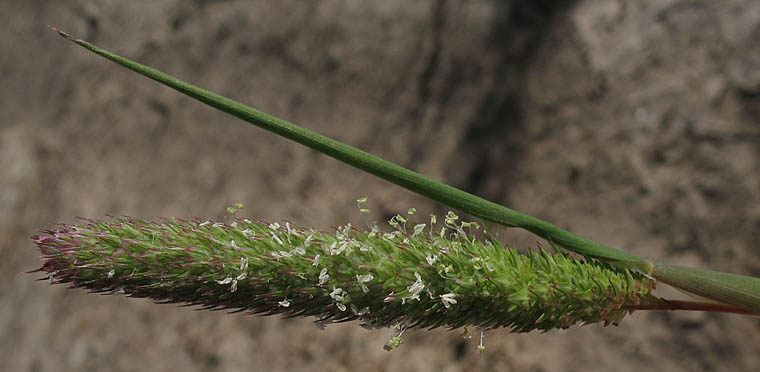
x=422, y=278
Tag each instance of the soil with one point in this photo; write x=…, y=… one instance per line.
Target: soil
x=636, y=124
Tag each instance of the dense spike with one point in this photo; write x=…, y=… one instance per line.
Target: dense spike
x=418, y=279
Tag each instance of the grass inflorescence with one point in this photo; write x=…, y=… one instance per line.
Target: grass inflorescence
x=723, y=292
x=424, y=276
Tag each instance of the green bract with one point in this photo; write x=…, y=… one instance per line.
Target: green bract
x=425, y=276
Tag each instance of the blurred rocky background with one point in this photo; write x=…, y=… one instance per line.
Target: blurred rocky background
x=636, y=124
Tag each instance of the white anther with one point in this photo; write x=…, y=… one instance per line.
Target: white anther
x=364, y=279
x=338, y=294
x=414, y=290
x=277, y=239
x=431, y=259
x=448, y=300
x=323, y=276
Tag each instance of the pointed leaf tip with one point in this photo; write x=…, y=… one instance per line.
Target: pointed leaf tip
x=62, y=33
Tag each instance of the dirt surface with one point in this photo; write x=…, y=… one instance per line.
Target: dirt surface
x=634, y=124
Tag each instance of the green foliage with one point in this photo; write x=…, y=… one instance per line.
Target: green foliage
x=560, y=290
